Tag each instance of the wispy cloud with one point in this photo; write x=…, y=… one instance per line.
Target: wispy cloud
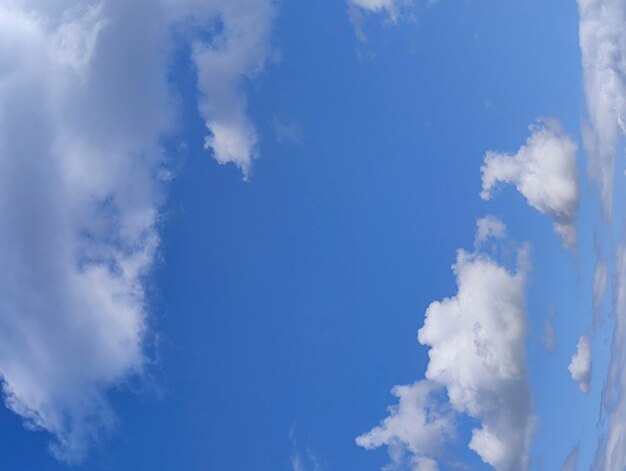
x=85, y=101
x=302, y=461
x=377, y=6
x=489, y=227
x=390, y=10
x=544, y=171
x=611, y=451
x=571, y=461
x=285, y=132
x=602, y=34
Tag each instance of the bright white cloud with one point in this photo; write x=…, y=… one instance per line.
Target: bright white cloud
x=477, y=353
x=85, y=99
x=476, y=341
x=419, y=424
x=544, y=172
x=580, y=366
x=602, y=35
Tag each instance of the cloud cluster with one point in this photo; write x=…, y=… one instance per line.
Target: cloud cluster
x=419, y=424
x=477, y=353
x=85, y=101
x=602, y=35
x=544, y=171
x=580, y=366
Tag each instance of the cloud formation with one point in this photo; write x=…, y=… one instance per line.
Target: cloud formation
x=602, y=35
x=377, y=6
x=85, y=100
x=600, y=275
x=544, y=171
x=571, y=461
x=477, y=353
x=489, y=227
x=580, y=366
x=548, y=339
x=611, y=451
x=419, y=424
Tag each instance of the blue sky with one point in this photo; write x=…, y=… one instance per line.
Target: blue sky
x=225, y=223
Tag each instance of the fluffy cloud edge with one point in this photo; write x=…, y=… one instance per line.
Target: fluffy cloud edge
x=580, y=365
x=544, y=171
x=477, y=355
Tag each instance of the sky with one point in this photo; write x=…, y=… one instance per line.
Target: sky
x=312, y=236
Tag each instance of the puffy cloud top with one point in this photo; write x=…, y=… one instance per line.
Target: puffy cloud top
x=477, y=353
x=544, y=172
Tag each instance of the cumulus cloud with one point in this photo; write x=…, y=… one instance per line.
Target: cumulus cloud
x=477, y=353
x=85, y=100
x=611, y=451
x=476, y=341
x=580, y=366
x=602, y=35
x=544, y=172
x=419, y=424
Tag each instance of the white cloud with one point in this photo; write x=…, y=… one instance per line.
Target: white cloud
x=377, y=6
x=602, y=35
x=393, y=10
x=477, y=352
x=424, y=464
x=580, y=366
x=85, y=99
x=611, y=452
x=238, y=52
x=489, y=227
x=544, y=172
x=419, y=424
